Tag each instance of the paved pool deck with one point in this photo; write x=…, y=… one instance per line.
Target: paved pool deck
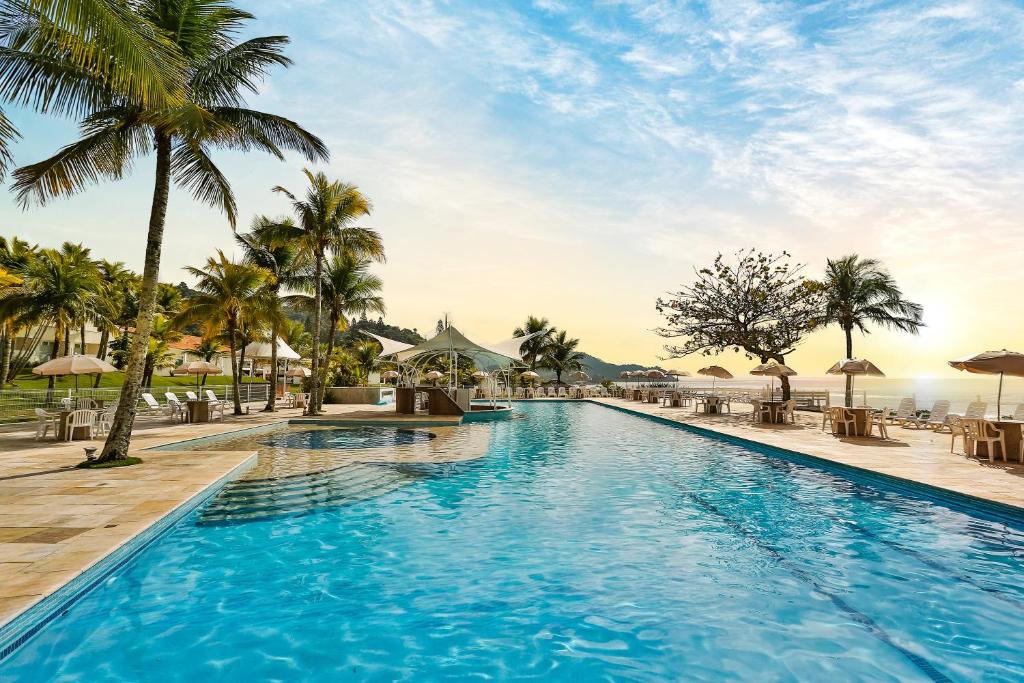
x=917, y=455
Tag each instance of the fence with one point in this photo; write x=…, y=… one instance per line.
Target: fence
x=20, y=404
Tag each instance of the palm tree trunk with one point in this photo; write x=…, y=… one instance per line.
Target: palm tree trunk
x=81, y=337
x=314, y=376
x=120, y=435
x=235, y=368
x=848, y=396
x=272, y=396
x=54, y=352
x=332, y=329
x=5, y=358
x=101, y=353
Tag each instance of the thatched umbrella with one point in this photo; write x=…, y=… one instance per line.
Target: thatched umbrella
x=716, y=372
x=993, y=363
x=854, y=367
x=773, y=369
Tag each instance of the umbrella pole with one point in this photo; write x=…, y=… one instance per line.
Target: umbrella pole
x=999, y=400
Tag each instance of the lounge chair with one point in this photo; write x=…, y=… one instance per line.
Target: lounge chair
x=976, y=410
x=905, y=410
x=153, y=407
x=936, y=418
x=191, y=396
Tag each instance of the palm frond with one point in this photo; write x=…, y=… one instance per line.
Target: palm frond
x=247, y=129
x=110, y=39
x=106, y=151
x=218, y=81
x=8, y=134
x=195, y=171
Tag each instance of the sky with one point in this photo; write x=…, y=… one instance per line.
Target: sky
x=579, y=160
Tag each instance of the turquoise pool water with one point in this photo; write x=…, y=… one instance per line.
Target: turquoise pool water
x=587, y=545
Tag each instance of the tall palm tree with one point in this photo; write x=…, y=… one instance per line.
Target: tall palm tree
x=159, y=354
x=59, y=289
x=62, y=57
x=347, y=288
x=15, y=256
x=324, y=222
x=261, y=249
x=218, y=71
x=229, y=294
x=561, y=355
x=533, y=349
x=860, y=292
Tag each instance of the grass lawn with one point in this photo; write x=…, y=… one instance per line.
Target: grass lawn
x=115, y=379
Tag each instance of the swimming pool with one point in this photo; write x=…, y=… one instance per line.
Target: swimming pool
x=586, y=544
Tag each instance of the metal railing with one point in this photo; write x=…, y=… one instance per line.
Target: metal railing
x=20, y=404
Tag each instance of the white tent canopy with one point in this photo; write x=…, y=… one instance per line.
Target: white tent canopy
x=262, y=351
x=390, y=345
x=450, y=341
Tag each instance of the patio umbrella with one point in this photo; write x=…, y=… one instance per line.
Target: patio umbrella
x=200, y=367
x=579, y=376
x=530, y=376
x=773, y=369
x=716, y=372
x=298, y=371
x=677, y=373
x=993, y=363
x=480, y=374
x=389, y=374
x=75, y=364
x=180, y=370
x=854, y=367
x=433, y=376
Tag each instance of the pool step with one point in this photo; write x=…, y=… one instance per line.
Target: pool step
x=249, y=500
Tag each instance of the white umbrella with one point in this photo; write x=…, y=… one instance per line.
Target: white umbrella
x=993, y=363
x=854, y=367
x=433, y=376
x=773, y=369
x=480, y=374
x=389, y=374
x=529, y=376
x=75, y=364
x=716, y=372
x=298, y=371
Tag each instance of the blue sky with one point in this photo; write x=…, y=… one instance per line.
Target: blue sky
x=578, y=159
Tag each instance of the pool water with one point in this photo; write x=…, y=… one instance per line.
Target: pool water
x=587, y=544
x=345, y=438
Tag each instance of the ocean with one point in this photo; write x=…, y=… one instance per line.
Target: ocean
x=886, y=392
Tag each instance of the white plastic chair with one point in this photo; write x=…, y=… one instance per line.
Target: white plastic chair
x=826, y=414
x=43, y=422
x=176, y=408
x=842, y=416
x=86, y=403
x=789, y=411
x=882, y=419
x=80, y=419
x=105, y=420
x=991, y=436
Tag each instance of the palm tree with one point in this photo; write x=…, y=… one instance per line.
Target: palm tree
x=61, y=57
x=533, y=349
x=229, y=294
x=561, y=355
x=294, y=334
x=59, y=288
x=15, y=256
x=324, y=222
x=159, y=354
x=260, y=249
x=348, y=289
x=859, y=292
x=211, y=115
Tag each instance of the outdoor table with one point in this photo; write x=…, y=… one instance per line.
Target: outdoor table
x=1013, y=433
x=198, y=411
x=79, y=433
x=861, y=423
x=712, y=405
x=776, y=412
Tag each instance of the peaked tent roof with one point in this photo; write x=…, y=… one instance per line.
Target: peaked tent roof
x=451, y=339
x=390, y=345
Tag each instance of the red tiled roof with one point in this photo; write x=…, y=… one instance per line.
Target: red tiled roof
x=188, y=342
